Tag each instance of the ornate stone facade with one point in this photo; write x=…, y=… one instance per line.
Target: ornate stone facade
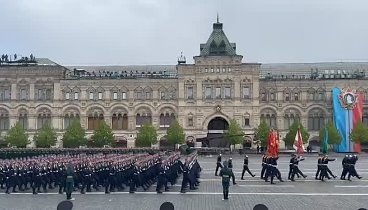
x=217, y=86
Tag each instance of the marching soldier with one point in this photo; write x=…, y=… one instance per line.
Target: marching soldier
x=295, y=168
x=246, y=168
x=230, y=167
x=324, y=168
x=345, y=167
x=218, y=164
x=351, y=167
x=264, y=166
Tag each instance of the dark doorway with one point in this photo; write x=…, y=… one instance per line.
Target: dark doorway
x=121, y=142
x=215, y=135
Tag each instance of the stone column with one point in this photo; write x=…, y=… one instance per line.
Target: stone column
x=31, y=92
x=32, y=120
x=57, y=92
x=13, y=93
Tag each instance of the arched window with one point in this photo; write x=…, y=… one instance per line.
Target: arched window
x=119, y=121
x=4, y=120
x=68, y=119
x=43, y=118
x=142, y=118
x=289, y=119
x=23, y=120
x=94, y=120
x=166, y=120
x=269, y=116
x=316, y=120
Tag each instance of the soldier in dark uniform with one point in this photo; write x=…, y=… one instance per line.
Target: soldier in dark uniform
x=226, y=174
x=69, y=181
x=324, y=168
x=351, y=167
x=264, y=166
x=246, y=168
x=230, y=167
x=319, y=165
x=218, y=164
x=185, y=171
x=295, y=168
x=345, y=167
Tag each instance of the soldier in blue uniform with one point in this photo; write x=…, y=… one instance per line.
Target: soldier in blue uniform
x=218, y=164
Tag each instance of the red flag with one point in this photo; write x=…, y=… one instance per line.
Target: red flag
x=298, y=143
x=273, y=144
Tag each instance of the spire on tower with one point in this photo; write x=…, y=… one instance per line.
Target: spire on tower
x=218, y=17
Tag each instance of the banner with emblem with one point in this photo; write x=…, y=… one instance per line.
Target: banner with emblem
x=347, y=111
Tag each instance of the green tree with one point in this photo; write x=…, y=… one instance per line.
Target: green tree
x=234, y=134
x=147, y=135
x=103, y=135
x=45, y=137
x=334, y=136
x=74, y=135
x=359, y=134
x=290, y=136
x=17, y=136
x=262, y=133
x=175, y=134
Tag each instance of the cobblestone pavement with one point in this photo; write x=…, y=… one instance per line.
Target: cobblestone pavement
x=303, y=194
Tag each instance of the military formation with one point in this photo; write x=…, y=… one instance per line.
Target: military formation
x=269, y=169
x=91, y=172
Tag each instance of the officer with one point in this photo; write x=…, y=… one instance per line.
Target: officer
x=69, y=181
x=226, y=173
x=230, y=167
x=246, y=168
x=218, y=164
x=185, y=171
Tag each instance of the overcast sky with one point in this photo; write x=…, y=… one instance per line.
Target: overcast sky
x=100, y=32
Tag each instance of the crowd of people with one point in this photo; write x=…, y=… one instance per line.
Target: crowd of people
x=87, y=172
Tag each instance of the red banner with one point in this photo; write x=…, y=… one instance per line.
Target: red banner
x=357, y=116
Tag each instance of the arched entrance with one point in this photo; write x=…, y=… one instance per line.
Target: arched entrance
x=215, y=135
x=121, y=142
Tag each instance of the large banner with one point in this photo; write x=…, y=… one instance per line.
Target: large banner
x=347, y=111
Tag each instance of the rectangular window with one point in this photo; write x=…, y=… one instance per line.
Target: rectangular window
x=23, y=94
x=218, y=92
x=190, y=122
x=246, y=92
x=227, y=92
x=208, y=92
x=272, y=96
x=263, y=97
x=124, y=95
x=190, y=93
x=67, y=96
x=311, y=96
x=7, y=94
x=115, y=96
x=296, y=96
x=246, y=121
x=148, y=95
x=162, y=95
x=320, y=96
x=40, y=94
x=139, y=95
x=99, y=96
x=287, y=97
x=76, y=96
x=91, y=96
